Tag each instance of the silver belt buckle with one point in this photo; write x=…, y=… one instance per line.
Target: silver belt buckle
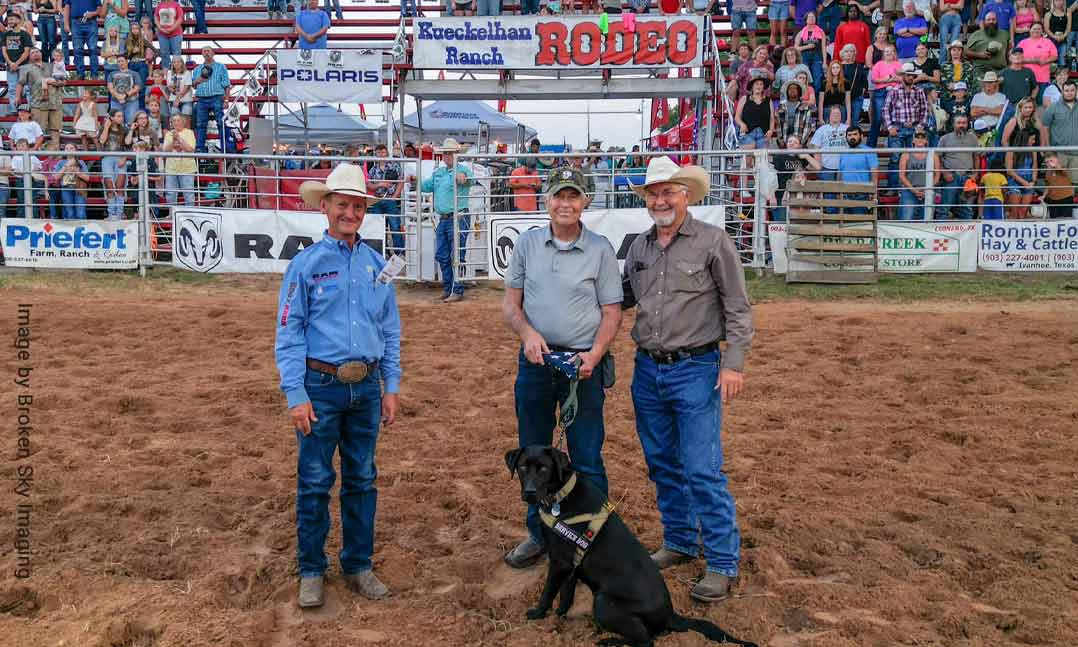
x=352, y=372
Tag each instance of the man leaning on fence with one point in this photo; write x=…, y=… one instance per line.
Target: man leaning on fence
x=685, y=279
x=337, y=348
x=563, y=299
x=450, y=184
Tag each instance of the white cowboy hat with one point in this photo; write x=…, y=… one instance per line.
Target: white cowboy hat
x=346, y=179
x=450, y=145
x=663, y=169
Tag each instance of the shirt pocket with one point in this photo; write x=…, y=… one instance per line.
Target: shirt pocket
x=691, y=277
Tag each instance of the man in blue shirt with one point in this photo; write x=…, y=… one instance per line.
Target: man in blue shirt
x=338, y=345
x=908, y=32
x=211, y=84
x=858, y=167
x=312, y=25
x=80, y=20
x=447, y=181
x=1004, y=13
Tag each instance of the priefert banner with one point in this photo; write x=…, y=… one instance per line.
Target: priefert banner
x=1029, y=246
x=70, y=244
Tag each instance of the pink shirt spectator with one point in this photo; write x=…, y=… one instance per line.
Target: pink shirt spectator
x=1039, y=48
x=169, y=18
x=883, y=70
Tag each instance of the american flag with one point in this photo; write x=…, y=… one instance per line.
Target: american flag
x=563, y=362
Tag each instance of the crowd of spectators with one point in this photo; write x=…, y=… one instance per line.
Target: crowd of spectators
x=156, y=99
x=926, y=74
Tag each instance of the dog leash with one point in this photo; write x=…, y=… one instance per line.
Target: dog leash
x=567, y=411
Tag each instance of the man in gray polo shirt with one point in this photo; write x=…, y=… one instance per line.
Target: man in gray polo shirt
x=562, y=294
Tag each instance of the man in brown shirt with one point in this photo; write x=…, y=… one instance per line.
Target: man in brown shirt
x=686, y=280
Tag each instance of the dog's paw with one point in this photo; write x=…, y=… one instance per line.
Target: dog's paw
x=537, y=613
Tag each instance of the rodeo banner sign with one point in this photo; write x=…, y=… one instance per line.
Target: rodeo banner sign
x=70, y=244
x=550, y=42
x=329, y=76
x=619, y=226
x=252, y=240
x=1038, y=246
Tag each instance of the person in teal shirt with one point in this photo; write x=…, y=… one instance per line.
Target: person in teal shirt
x=450, y=200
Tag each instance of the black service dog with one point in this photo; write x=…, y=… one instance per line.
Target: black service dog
x=630, y=594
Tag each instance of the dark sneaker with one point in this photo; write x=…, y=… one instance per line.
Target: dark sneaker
x=310, y=592
x=367, y=584
x=665, y=558
x=712, y=588
x=527, y=553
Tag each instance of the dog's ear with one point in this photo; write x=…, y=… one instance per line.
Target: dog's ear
x=561, y=464
x=512, y=457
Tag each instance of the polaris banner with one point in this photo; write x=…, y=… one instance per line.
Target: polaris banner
x=1029, y=246
x=329, y=76
x=252, y=240
x=553, y=42
x=70, y=244
x=619, y=226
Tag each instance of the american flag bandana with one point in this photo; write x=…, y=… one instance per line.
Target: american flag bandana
x=564, y=363
x=568, y=364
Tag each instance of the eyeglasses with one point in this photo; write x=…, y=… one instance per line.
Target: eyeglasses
x=666, y=194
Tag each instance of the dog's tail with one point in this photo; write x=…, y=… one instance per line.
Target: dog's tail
x=708, y=629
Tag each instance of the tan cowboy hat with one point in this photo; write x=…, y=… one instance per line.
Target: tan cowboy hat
x=346, y=179
x=663, y=169
x=451, y=145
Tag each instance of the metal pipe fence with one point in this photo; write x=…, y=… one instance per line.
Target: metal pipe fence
x=749, y=191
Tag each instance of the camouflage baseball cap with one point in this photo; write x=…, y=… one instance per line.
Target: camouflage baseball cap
x=565, y=177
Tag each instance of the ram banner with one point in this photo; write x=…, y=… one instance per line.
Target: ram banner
x=619, y=226
x=558, y=42
x=329, y=76
x=252, y=240
x=70, y=244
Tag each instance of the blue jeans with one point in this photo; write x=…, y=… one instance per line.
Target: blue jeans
x=391, y=210
x=37, y=195
x=678, y=419
x=200, y=16
x=83, y=36
x=443, y=250
x=203, y=105
x=529, y=7
x=176, y=183
x=909, y=205
x=46, y=29
x=5, y=195
x=879, y=98
x=904, y=139
x=143, y=70
x=815, y=66
x=348, y=417
x=276, y=6
x=56, y=200
x=142, y=8
x=333, y=6
x=74, y=204
x=130, y=108
x=950, y=29
x=951, y=195
x=65, y=40
x=488, y=8
x=538, y=390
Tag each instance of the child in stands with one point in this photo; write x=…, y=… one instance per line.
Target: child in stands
x=86, y=120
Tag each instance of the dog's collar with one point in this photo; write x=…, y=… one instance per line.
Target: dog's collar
x=564, y=491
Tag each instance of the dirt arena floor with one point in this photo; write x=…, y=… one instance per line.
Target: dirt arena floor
x=905, y=474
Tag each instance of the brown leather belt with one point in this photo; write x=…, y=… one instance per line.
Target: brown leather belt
x=348, y=372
